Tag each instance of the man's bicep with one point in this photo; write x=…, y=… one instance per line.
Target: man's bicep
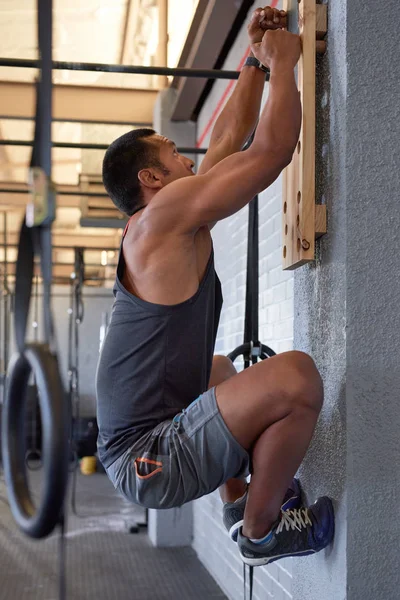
x=232, y=183
x=193, y=202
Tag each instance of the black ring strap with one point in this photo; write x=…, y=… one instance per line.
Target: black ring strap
x=38, y=358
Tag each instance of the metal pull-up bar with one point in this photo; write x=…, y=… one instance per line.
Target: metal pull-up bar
x=88, y=146
x=133, y=69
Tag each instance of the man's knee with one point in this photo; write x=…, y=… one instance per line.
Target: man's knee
x=305, y=381
x=222, y=369
x=296, y=380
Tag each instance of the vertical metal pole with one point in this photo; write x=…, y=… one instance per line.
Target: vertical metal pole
x=41, y=155
x=6, y=301
x=45, y=88
x=2, y=363
x=162, y=50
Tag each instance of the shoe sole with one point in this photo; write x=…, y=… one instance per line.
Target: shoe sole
x=258, y=562
x=331, y=532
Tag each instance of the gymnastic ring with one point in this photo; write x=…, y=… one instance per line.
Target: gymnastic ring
x=244, y=350
x=36, y=522
x=266, y=352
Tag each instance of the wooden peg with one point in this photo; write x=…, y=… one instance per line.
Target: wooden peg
x=320, y=220
x=321, y=27
x=321, y=21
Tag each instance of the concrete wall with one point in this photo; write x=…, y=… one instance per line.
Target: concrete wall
x=347, y=309
x=211, y=542
x=320, y=321
x=373, y=292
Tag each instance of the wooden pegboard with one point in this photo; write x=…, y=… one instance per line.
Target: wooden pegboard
x=303, y=221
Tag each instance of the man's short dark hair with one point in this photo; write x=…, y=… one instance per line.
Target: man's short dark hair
x=124, y=158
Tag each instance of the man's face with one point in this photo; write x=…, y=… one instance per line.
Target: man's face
x=178, y=166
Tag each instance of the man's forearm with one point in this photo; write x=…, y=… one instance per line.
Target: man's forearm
x=239, y=117
x=280, y=122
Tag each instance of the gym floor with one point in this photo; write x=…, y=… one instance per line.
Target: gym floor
x=104, y=560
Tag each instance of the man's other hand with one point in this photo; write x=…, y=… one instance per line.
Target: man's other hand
x=278, y=48
x=264, y=19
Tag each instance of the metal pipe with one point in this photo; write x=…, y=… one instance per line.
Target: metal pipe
x=134, y=69
x=71, y=264
x=61, y=193
x=82, y=121
x=67, y=295
x=84, y=146
x=6, y=297
x=87, y=248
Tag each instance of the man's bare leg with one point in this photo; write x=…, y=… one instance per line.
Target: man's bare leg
x=272, y=409
x=222, y=370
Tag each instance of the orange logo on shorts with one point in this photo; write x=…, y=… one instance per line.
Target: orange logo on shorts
x=146, y=467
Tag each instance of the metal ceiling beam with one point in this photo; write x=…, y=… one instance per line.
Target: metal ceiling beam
x=68, y=196
x=15, y=202
x=134, y=36
x=60, y=248
x=79, y=103
x=60, y=192
x=126, y=30
x=60, y=269
x=80, y=240
x=83, y=121
x=211, y=27
x=162, y=48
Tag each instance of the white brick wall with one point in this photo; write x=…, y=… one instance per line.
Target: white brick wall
x=211, y=542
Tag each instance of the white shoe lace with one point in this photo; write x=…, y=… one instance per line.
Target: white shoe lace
x=294, y=519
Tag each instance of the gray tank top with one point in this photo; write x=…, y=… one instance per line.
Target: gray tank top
x=154, y=362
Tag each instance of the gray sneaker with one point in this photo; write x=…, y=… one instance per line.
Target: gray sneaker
x=299, y=532
x=233, y=512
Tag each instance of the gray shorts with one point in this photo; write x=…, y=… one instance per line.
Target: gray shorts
x=180, y=459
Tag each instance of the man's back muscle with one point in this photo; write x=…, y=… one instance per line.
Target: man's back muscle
x=164, y=268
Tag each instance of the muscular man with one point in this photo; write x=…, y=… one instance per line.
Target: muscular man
x=176, y=424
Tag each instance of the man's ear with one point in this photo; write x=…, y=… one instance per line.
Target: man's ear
x=149, y=178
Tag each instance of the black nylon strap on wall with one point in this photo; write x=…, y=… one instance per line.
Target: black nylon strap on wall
x=23, y=284
x=39, y=358
x=41, y=155
x=251, y=310
x=251, y=579
x=37, y=240
x=251, y=320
